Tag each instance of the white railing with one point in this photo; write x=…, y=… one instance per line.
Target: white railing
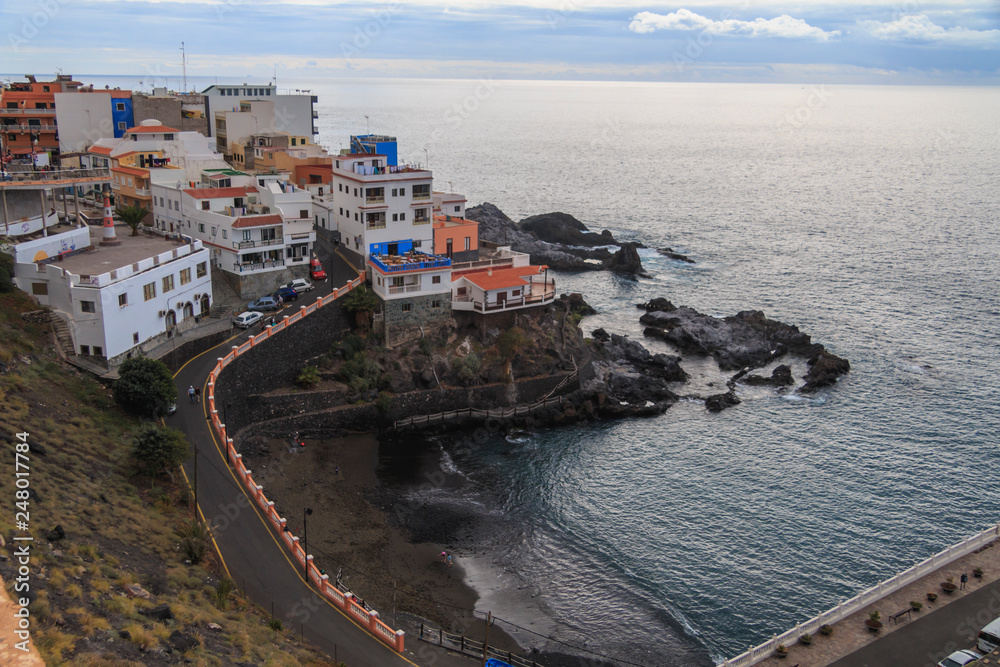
x=862, y=600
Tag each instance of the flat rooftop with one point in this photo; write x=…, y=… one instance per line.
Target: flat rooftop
x=108, y=258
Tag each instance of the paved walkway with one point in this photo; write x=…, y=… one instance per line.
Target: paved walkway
x=925, y=637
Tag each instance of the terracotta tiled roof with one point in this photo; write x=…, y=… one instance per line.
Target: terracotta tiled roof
x=501, y=278
x=132, y=171
x=151, y=128
x=100, y=150
x=257, y=221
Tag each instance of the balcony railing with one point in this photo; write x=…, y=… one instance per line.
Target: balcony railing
x=401, y=263
x=379, y=199
x=257, y=244
x=141, y=192
x=27, y=112
x=468, y=303
x=421, y=197
x=27, y=127
x=375, y=224
x=258, y=266
x=421, y=221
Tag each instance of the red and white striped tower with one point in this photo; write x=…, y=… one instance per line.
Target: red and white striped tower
x=109, y=224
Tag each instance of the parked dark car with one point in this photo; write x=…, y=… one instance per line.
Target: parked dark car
x=286, y=294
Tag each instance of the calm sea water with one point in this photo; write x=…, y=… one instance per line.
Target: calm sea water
x=867, y=216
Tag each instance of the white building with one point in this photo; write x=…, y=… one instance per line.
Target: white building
x=118, y=301
x=375, y=206
x=292, y=113
x=261, y=233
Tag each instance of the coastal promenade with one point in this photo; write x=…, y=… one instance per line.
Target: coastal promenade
x=916, y=638
x=253, y=554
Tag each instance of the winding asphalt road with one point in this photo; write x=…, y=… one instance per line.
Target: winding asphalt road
x=251, y=552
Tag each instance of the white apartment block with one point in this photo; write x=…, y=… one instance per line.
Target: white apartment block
x=375, y=206
x=261, y=233
x=122, y=300
x=294, y=114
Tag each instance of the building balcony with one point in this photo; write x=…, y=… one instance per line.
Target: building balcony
x=246, y=267
x=240, y=245
x=419, y=197
x=141, y=192
x=421, y=221
x=379, y=199
x=27, y=127
x=403, y=289
x=375, y=224
x=534, y=299
x=27, y=112
x=413, y=262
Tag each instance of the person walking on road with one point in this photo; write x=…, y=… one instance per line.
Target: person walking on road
x=191, y=393
x=197, y=393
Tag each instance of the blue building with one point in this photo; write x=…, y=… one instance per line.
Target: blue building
x=378, y=144
x=121, y=111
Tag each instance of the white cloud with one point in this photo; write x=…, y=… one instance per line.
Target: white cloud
x=920, y=28
x=685, y=19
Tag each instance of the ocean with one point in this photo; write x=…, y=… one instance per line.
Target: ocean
x=865, y=215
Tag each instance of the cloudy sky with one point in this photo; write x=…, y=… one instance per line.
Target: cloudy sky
x=848, y=41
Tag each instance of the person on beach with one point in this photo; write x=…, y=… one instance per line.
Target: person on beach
x=444, y=556
x=449, y=560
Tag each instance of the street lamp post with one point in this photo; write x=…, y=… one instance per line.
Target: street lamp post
x=305, y=541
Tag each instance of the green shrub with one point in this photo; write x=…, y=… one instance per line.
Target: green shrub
x=308, y=377
x=194, y=539
x=156, y=449
x=144, y=387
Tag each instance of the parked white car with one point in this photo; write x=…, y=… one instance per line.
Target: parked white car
x=299, y=285
x=960, y=658
x=247, y=319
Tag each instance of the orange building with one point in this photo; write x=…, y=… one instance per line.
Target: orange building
x=28, y=115
x=456, y=238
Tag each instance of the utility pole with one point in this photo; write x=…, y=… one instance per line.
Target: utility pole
x=486, y=642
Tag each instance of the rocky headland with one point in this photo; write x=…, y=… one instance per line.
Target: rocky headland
x=557, y=240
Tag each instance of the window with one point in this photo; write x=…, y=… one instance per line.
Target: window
x=201, y=227
x=436, y=303
x=185, y=276
x=436, y=280
x=168, y=283
x=342, y=211
x=355, y=217
x=269, y=234
x=85, y=349
x=135, y=338
x=202, y=269
x=468, y=243
x=149, y=291
x=45, y=89
x=98, y=351
x=122, y=125
x=402, y=216
x=40, y=289
x=87, y=307
x=119, y=106
x=246, y=234
x=395, y=217
x=204, y=206
x=340, y=187
x=214, y=230
x=355, y=192
x=225, y=233
x=304, y=213
x=122, y=300
x=168, y=136
x=407, y=307
x=515, y=292
x=397, y=281
x=457, y=209
x=402, y=192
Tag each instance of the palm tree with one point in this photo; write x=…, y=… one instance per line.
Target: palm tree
x=132, y=215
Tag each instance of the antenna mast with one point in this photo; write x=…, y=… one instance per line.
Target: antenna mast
x=184, y=67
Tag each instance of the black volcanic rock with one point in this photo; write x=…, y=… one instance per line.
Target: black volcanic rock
x=658, y=304
x=719, y=402
x=824, y=369
x=669, y=252
x=564, y=229
x=780, y=377
x=627, y=261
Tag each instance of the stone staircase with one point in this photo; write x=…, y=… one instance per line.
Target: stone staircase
x=64, y=339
